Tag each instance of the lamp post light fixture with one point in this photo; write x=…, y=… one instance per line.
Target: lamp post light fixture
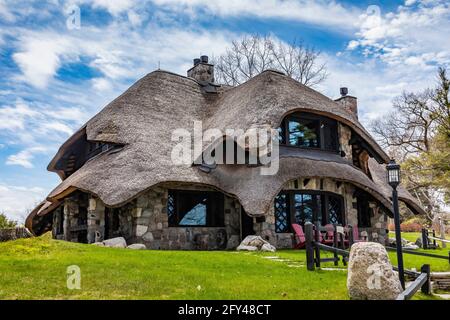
x=393, y=177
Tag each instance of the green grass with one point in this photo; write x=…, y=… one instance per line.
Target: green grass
x=36, y=269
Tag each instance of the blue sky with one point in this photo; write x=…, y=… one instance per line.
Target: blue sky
x=54, y=77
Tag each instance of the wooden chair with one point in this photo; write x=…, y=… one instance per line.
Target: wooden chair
x=329, y=235
x=299, y=236
x=356, y=237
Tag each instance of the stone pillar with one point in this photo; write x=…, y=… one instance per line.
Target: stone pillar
x=96, y=220
x=71, y=210
x=345, y=135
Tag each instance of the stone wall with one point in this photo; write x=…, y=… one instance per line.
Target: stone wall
x=285, y=240
x=145, y=220
x=151, y=225
x=96, y=220
x=345, y=134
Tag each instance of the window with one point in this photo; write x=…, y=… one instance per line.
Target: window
x=309, y=131
x=282, y=213
x=303, y=206
x=195, y=208
x=304, y=133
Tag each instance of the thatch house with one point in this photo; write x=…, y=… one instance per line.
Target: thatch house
x=118, y=178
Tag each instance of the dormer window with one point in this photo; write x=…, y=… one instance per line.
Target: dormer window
x=311, y=131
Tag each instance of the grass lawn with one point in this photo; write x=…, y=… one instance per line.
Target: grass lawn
x=36, y=269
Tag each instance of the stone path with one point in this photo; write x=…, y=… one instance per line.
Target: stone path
x=296, y=264
x=290, y=263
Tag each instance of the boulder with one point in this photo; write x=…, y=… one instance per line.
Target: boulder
x=99, y=244
x=370, y=273
x=411, y=246
x=254, y=241
x=118, y=242
x=246, y=248
x=137, y=246
x=233, y=242
x=419, y=242
x=268, y=247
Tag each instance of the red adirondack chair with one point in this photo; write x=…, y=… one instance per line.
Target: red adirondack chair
x=299, y=236
x=329, y=236
x=356, y=237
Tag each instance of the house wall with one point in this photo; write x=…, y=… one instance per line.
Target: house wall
x=150, y=224
x=377, y=231
x=144, y=219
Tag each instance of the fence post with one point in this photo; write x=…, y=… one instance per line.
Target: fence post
x=426, y=288
x=350, y=236
x=434, y=239
x=424, y=238
x=316, y=248
x=309, y=234
x=335, y=244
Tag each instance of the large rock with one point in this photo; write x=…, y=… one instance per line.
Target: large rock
x=118, y=242
x=137, y=246
x=370, y=274
x=254, y=241
x=246, y=248
x=419, y=242
x=268, y=247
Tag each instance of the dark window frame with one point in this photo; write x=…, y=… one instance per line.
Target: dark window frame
x=324, y=122
x=214, y=205
x=322, y=211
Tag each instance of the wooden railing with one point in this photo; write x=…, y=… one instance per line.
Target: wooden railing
x=422, y=282
x=313, y=247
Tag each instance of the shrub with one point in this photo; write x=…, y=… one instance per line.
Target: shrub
x=407, y=227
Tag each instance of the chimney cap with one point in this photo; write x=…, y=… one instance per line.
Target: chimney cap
x=204, y=59
x=344, y=91
x=196, y=61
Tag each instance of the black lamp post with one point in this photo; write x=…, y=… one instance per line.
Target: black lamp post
x=393, y=176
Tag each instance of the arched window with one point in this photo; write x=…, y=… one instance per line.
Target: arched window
x=306, y=130
x=296, y=206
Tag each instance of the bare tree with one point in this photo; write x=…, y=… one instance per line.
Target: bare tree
x=299, y=62
x=410, y=127
x=253, y=54
x=417, y=132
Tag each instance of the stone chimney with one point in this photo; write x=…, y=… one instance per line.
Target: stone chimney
x=202, y=71
x=349, y=103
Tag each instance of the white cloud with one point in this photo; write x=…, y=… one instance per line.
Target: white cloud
x=25, y=157
x=322, y=13
x=412, y=36
x=101, y=84
x=5, y=12
x=14, y=117
x=39, y=59
x=113, y=6
x=17, y=201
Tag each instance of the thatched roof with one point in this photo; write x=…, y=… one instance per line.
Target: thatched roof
x=379, y=177
x=144, y=117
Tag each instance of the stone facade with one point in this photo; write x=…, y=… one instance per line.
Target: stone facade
x=377, y=231
x=345, y=134
x=145, y=220
x=151, y=225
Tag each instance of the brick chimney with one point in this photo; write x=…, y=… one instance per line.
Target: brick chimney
x=202, y=71
x=349, y=103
